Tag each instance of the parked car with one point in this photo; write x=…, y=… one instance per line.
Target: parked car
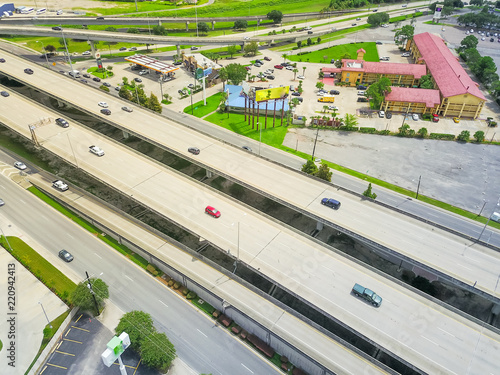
x=20, y=165
x=62, y=122
x=301, y=77
x=194, y=150
x=137, y=79
x=334, y=92
x=105, y=111
x=66, y=256
x=361, y=87
x=289, y=67
x=333, y=108
x=406, y=54
x=278, y=66
x=332, y=203
x=363, y=100
x=28, y=71
x=378, y=42
x=4, y=94
x=415, y=117
x=267, y=58
x=456, y=120
x=143, y=72
x=258, y=65
x=296, y=93
x=270, y=76
x=212, y=212
x=381, y=114
x=435, y=117
x=86, y=53
x=127, y=109
x=96, y=150
x=388, y=115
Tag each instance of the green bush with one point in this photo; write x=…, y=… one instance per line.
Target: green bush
x=152, y=270
x=384, y=132
x=449, y=137
x=368, y=130
x=349, y=128
x=191, y=295
x=479, y=136
x=104, y=88
x=177, y=285
x=464, y=136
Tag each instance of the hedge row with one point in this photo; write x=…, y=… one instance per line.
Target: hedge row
x=450, y=137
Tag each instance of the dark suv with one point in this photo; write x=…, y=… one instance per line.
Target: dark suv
x=329, y=202
x=361, y=87
x=62, y=122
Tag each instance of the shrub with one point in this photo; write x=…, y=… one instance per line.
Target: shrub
x=464, y=136
x=424, y=285
x=422, y=132
x=191, y=295
x=368, y=192
x=384, y=132
x=104, y=88
x=349, y=128
x=177, y=285
x=449, y=137
x=479, y=136
x=152, y=270
x=368, y=130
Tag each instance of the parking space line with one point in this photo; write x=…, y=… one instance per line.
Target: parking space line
x=67, y=332
x=81, y=329
x=140, y=360
x=50, y=364
x=78, y=342
x=116, y=363
x=57, y=351
x=76, y=321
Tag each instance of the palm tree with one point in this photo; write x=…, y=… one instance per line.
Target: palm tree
x=284, y=56
x=325, y=108
x=304, y=71
x=295, y=71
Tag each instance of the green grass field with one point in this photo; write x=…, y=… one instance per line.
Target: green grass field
x=200, y=110
x=338, y=52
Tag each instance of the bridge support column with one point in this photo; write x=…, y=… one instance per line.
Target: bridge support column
x=60, y=104
x=187, y=25
x=125, y=135
x=178, y=50
x=319, y=226
x=213, y=25
x=209, y=174
x=92, y=47
x=258, y=22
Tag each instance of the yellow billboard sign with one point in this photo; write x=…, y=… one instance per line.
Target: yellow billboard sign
x=270, y=94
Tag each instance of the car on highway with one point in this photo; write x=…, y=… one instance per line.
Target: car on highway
x=278, y=66
x=103, y=104
x=378, y=42
x=96, y=150
x=1, y=202
x=127, y=109
x=138, y=80
x=123, y=49
x=194, y=150
x=105, y=111
x=133, y=49
x=212, y=212
x=354, y=24
x=20, y=165
x=246, y=148
x=381, y=114
x=86, y=75
x=60, y=185
x=57, y=28
x=358, y=19
x=2, y=60
x=330, y=202
x=65, y=255
x=62, y=122
x=415, y=117
x=99, y=18
x=107, y=84
x=367, y=295
x=4, y=93
x=83, y=80
x=28, y=71
x=96, y=79
x=117, y=88
x=86, y=53
x=301, y=77
x=194, y=48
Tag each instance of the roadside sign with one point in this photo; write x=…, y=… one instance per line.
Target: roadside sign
x=199, y=73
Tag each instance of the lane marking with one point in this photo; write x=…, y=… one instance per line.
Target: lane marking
x=247, y=368
x=461, y=265
x=97, y=255
x=128, y=277
x=163, y=302
x=451, y=334
x=201, y=332
x=429, y=340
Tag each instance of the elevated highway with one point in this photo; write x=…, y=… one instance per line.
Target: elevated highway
x=419, y=331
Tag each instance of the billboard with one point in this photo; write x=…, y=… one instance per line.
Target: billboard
x=274, y=93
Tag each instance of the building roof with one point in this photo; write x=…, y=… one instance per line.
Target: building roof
x=201, y=60
x=415, y=70
x=431, y=98
x=151, y=63
x=331, y=70
x=450, y=77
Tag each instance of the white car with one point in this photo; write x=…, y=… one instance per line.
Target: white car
x=381, y=114
x=86, y=53
x=333, y=108
x=385, y=25
x=60, y=185
x=289, y=67
x=406, y=54
x=414, y=117
x=483, y=38
x=96, y=150
x=301, y=77
x=2, y=202
x=143, y=72
x=103, y=104
x=20, y=165
x=246, y=38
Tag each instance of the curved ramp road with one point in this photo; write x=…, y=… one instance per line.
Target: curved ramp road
x=416, y=329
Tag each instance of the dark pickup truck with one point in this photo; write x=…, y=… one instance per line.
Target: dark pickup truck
x=367, y=295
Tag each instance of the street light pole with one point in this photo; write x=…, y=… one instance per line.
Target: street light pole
x=418, y=186
x=44, y=52
x=92, y=292
x=314, y=148
x=260, y=135
x=69, y=56
x=46, y=317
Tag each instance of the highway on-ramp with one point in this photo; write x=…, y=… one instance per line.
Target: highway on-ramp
x=465, y=260
x=420, y=331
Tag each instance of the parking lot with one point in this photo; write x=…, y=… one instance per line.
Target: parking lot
x=79, y=350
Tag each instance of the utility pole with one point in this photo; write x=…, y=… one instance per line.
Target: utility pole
x=92, y=292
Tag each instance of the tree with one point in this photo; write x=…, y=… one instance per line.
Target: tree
x=338, y=63
x=377, y=19
x=477, y=2
x=350, y=120
x=479, y=136
x=320, y=85
x=470, y=41
x=464, y=136
x=325, y=108
x=378, y=90
x=368, y=192
x=471, y=56
x=485, y=65
x=159, y=30
x=309, y=41
x=318, y=40
x=223, y=77
x=275, y=15
x=138, y=325
x=309, y=167
x=154, y=104
x=405, y=131
x=285, y=55
x=157, y=351
x=251, y=48
x=111, y=29
x=232, y=49
x=133, y=30
x=236, y=73
x=83, y=298
x=61, y=41
x=50, y=48
x=240, y=24
x=404, y=34
x=422, y=132
x=299, y=44
x=202, y=27
x=426, y=82
x=304, y=70
x=324, y=172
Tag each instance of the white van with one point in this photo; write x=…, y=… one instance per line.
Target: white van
x=361, y=93
x=27, y=10
x=41, y=11
x=59, y=12
x=74, y=73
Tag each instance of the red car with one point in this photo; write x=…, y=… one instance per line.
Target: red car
x=435, y=118
x=247, y=68
x=212, y=212
x=278, y=66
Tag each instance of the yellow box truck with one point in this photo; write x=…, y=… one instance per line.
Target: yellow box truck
x=326, y=99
